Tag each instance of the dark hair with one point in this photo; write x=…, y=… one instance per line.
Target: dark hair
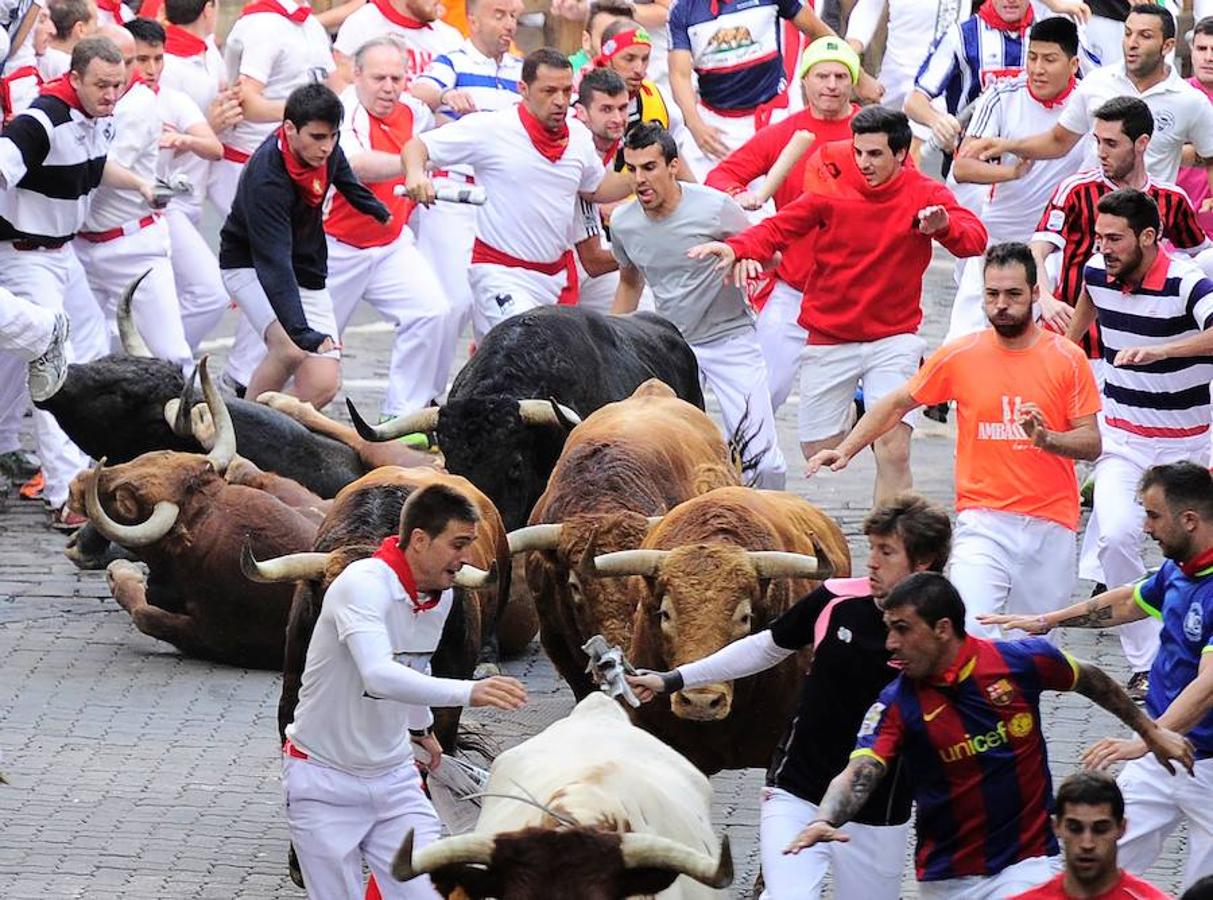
x=923, y=527
x=1165, y=19
x=620, y=9
x=145, y=31
x=433, y=508
x=313, y=103
x=544, y=56
x=1201, y=888
x=931, y=596
x=1136, y=207
x=646, y=134
x=1090, y=789
x=184, y=12
x=1056, y=30
x=1205, y=27
x=1133, y=115
x=91, y=48
x=1012, y=253
x=878, y=120
x=1185, y=486
x=66, y=14
x=607, y=82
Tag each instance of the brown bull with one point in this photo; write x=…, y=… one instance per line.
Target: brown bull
x=629, y=462
x=717, y=568
x=177, y=513
x=361, y=516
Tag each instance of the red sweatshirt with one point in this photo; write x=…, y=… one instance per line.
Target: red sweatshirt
x=864, y=279
x=754, y=158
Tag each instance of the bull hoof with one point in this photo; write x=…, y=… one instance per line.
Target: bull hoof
x=89, y=551
x=485, y=670
x=121, y=570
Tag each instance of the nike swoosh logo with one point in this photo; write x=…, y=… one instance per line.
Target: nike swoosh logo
x=931, y=715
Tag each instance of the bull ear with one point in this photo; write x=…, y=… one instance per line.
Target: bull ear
x=475, y=882
x=645, y=882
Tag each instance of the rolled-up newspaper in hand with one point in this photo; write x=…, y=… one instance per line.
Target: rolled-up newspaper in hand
x=466, y=193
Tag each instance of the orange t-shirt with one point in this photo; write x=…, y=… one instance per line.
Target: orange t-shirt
x=997, y=465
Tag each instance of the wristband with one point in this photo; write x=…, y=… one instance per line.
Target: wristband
x=421, y=733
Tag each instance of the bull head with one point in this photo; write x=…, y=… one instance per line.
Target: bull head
x=311, y=567
x=767, y=564
x=532, y=412
x=132, y=340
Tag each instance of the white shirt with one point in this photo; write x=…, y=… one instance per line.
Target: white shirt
x=1181, y=115
x=53, y=63
x=491, y=84
x=335, y=721
x=271, y=49
x=136, y=146
x=200, y=76
x=1012, y=209
x=421, y=44
x=914, y=26
x=529, y=209
x=179, y=111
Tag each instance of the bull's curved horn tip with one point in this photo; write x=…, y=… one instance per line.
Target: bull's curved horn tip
x=365, y=431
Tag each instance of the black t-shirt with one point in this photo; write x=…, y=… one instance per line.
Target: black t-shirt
x=850, y=668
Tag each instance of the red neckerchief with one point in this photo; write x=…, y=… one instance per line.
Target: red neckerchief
x=150, y=9
x=612, y=47
x=113, y=7
x=550, y=144
x=608, y=158
x=312, y=182
x=299, y=16
x=994, y=20
x=389, y=552
x=396, y=17
x=61, y=87
x=1059, y=99
x=179, y=42
x=1197, y=563
x=137, y=78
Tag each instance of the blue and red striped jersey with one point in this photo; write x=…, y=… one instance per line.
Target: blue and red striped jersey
x=973, y=746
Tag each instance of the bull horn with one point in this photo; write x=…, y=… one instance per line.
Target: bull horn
x=132, y=340
x=466, y=849
x=224, y=449
x=629, y=562
x=471, y=578
x=421, y=420
x=534, y=537
x=778, y=564
x=292, y=567
x=177, y=412
x=653, y=521
x=161, y=522
x=650, y=851
x=547, y=412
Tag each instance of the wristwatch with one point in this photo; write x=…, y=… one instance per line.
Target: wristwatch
x=421, y=733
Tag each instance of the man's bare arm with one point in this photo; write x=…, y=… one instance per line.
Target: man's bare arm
x=627, y=294
x=1115, y=607
x=850, y=789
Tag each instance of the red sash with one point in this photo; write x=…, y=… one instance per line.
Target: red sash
x=483, y=253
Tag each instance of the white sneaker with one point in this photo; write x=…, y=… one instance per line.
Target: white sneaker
x=48, y=372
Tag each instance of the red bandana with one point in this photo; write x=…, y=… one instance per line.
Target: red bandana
x=62, y=88
x=1056, y=101
x=1197, y=563
x=137, y=78
x=396, y=17
x=994, y=20
x=550, y=144
x=113, y=7
x=312, y=182
x=389, y=552
x=151, y=10
x=620, y=42
x=608, y=158
x=299, y=16
x=179, y=42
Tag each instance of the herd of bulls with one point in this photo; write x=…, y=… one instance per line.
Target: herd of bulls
x=611, y=504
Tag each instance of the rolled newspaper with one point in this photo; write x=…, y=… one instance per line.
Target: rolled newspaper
x=466, y=193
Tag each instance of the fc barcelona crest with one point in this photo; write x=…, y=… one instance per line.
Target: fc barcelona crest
x=1000, y=692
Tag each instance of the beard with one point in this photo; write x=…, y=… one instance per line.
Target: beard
x=1007, y=327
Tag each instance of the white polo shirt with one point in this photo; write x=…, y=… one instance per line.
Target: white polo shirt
x=1181, y=113
x=421, y=44
x=1008, y=109
x=336, y=722
x=136, y=146
x=530, y=206
x=491, y=84
x=280, y=54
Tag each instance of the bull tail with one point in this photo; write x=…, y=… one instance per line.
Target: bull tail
x=742, y=449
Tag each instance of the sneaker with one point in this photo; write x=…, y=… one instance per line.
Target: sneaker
x=63, y=519
x=19, y=464
x=32, y=489
x=1138, y=686
x=48, y=372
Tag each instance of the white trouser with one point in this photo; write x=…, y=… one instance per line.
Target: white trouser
x=446, y=232
x=499, y=292
x=1155, y=802
x=25, y=327
x=782, y=340
x=868, y=866
x=400, y=284
x=337, y=819
x=1014, y=879
x=203, y=298
x=1115, y=526
x=1003, y=562
x=113, y=265
x=14, y=400
x=221, y=185
x=968, y=311
x=734, y=131
x=54, y=279
x=246, y=289
x=733, y=368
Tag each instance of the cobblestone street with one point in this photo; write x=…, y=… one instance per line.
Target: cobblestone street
x=138, y=773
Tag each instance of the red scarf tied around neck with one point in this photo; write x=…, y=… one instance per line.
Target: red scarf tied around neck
x=312, y=182
x=550, y=144
x=389, y=552
x=61, y=88
x=396, y=17
x=179, y=42
x=299, y=16
x=994, y=20
x=1197, y=563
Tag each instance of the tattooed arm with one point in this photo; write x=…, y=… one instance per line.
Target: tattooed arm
x=1114, y=607
x=845, y=796
x=1096, y=685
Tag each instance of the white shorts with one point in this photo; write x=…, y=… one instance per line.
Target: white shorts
x=499, y=292
x=1155, y=803
x=249, y=295
x=1014, y=879
x=831, y=373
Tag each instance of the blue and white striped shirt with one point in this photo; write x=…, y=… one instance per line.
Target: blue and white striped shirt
x=966, y=58
x=491, y=84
